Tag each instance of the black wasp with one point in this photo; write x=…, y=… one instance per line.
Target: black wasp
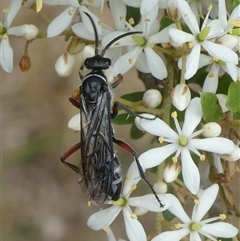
x=100, y=172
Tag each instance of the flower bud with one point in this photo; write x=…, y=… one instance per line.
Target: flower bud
x=74, y=123
x=172, y=9
x=140, y=211
x=25, y=63
x=181, y=96
x=65, y=64
x=88, y=52
x=211, y=129
x=27, y=31
x=171, y=172
x=222, y=99
x=152, y=98
x=75, y=46
x=160, y=187
x=231, y=156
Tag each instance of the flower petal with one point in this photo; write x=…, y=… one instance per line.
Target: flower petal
x=220, y=51
x=14, y=7
x=147, y=6
x=175, y=235
x=150, y=203
x=193, y=116
x=191, y=176
x=156, y=156
x=125, y=62
x=103, y=218
x=220, y=229
x=120, y=11
x=132, y=178
x=211, y=81
x=61, y=22
x=134, y=228
x=192, y=63
x=180, y=37
x=189, y=17
x=219, y=145
x=206, y=200
x=6, y=54
x=177, y=209
x=157, y=127
x=155, y=64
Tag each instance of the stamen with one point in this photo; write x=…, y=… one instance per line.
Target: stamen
x=174, y=159
x=131, y=21
x=174, y=114
x=105, y=229
x=178, y=225
x=134, y=216
x=202, y=158
x=222, y=216
x=196, y=201
x=89, y=203
x=161, y=139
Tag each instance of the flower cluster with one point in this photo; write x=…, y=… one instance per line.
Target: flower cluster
x=187, y=54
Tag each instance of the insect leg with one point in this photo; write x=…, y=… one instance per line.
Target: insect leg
x=141, y=172
x=68, y=153
x=117, y=82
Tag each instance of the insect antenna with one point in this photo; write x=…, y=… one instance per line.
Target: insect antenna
x=116, y=39
x=95, y=33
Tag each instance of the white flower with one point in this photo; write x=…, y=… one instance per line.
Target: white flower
x=135, y=232
x=201, y=38
x=216, y=67
x=27, y=31
x=181, y=143
x=195, y=226
x=140, y=47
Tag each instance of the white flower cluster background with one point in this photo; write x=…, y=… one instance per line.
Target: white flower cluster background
x=186, y=101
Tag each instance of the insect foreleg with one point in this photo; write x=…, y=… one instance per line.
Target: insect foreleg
x=141, y=172
x=117, y=82
x=68, y=153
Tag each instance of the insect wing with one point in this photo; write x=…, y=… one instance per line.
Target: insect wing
x=101, y=172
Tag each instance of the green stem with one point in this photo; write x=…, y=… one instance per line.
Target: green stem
x=139, y=107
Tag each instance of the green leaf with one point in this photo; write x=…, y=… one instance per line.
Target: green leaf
x=123, y=119
x=133, y=13
x=136, y=96
x=212, y=111
x=165, y=22
x=233, y=98
x=135, y=133
x=224, y=81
